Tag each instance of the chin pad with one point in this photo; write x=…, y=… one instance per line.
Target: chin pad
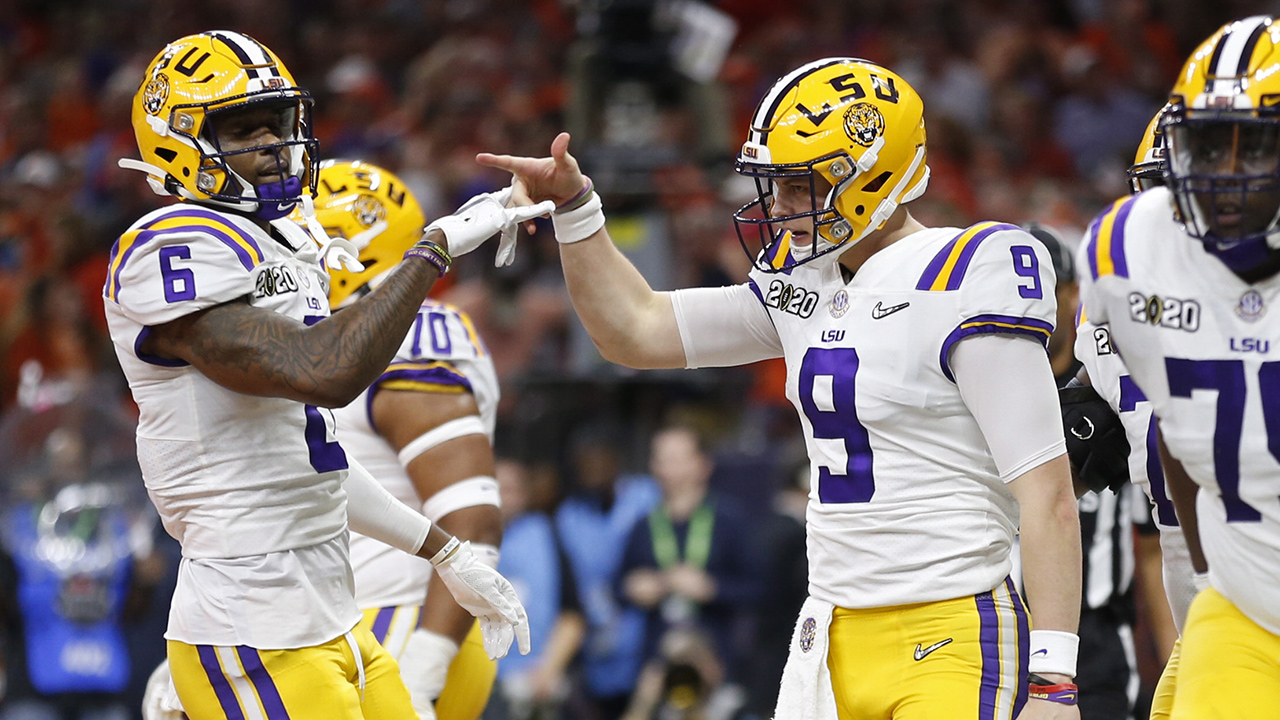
x=278, y=198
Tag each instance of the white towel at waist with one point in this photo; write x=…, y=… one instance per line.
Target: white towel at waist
x=806, y=692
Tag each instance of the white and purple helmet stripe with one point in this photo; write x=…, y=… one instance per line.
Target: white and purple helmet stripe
x=763, y=118
x=257, y=60
x=1230, y=60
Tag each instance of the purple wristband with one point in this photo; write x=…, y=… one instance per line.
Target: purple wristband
x=578, y=200
x=432, y=253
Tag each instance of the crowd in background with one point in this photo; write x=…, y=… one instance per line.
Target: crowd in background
x=1034, y=109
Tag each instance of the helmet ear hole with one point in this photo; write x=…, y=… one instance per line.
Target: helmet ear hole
x=877, y=183
x=859, y=210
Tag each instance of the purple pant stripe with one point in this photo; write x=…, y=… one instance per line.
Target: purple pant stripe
x=263, y=683
x=989, y=639
x=1024, y=646
x=382, y=623
x=221, y=688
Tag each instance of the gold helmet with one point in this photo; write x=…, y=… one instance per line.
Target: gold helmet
x=855, y=124
x=185, y=89
x=1222, y=136
x=1147, y=170
x=375, y=211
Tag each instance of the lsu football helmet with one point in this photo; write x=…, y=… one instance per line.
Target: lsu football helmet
x=858, y=126
x=175, y=111
x=1147, y=170
x=1222, y=134
x=375, y=211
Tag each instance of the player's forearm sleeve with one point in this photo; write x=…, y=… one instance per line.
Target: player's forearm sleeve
x=1007, y=384
x=724, y=326
x=374, y=512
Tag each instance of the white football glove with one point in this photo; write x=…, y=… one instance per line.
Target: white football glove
x=484, y=215
x=160, y=700
x=424, y=665
x=483, y=592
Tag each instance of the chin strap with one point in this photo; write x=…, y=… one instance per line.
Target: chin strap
x=336, y=251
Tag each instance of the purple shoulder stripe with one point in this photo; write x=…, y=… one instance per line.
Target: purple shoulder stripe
x=992, y=324
x=967, y=253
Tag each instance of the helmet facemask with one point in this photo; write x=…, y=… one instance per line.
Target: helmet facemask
x=1224, y=171
x=776, y=251
x=293, y=157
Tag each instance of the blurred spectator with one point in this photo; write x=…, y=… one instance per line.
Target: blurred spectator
x=534, y=685
x=685, y=681
x=594, y=523
x=78, y=564
x=785, y=571
x=692, y=561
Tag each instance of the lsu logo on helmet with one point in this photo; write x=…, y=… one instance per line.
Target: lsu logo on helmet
x=864, y=123
x=853, y=125
x=155, y=93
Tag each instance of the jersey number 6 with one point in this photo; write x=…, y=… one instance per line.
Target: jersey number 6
x=827, y=395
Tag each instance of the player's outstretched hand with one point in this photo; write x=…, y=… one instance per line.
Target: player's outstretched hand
x=424, y=665
x=556, y=178
x=160, y=700
x=484, y=216
x=483, y=592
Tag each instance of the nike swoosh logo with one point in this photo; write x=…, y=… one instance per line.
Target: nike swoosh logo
x=879, y=311
x=923, y=652
x=1041, y=651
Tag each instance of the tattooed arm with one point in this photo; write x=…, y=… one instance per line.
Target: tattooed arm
x=255, y=351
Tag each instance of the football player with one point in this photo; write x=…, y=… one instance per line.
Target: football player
x=916, y=360
x=424, y=430
x=1181, y=277
x=1110, y=378
x=218, y=311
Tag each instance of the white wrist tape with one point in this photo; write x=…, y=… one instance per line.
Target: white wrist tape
x=1200, y=581
x=580, y=223
x=1053, y=651
x=487, y=554
x=472, y=492
x=469, y=425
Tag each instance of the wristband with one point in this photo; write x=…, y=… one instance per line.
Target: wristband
x=1061, y=693
x=432, y=252
x=580, y=223
x=578, y=200
x=447, y=552
x=1053, y=651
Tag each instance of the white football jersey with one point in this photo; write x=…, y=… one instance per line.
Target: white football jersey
x=441, y=353
x=906, y=503
x=1198, y=340
x=251, y=486
x=1111, y=379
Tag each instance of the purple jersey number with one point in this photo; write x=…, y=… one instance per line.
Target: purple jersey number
x=172, y=277
x=831, y=372
x=437, y=324
x=1027, y=265
x=1227, y=377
